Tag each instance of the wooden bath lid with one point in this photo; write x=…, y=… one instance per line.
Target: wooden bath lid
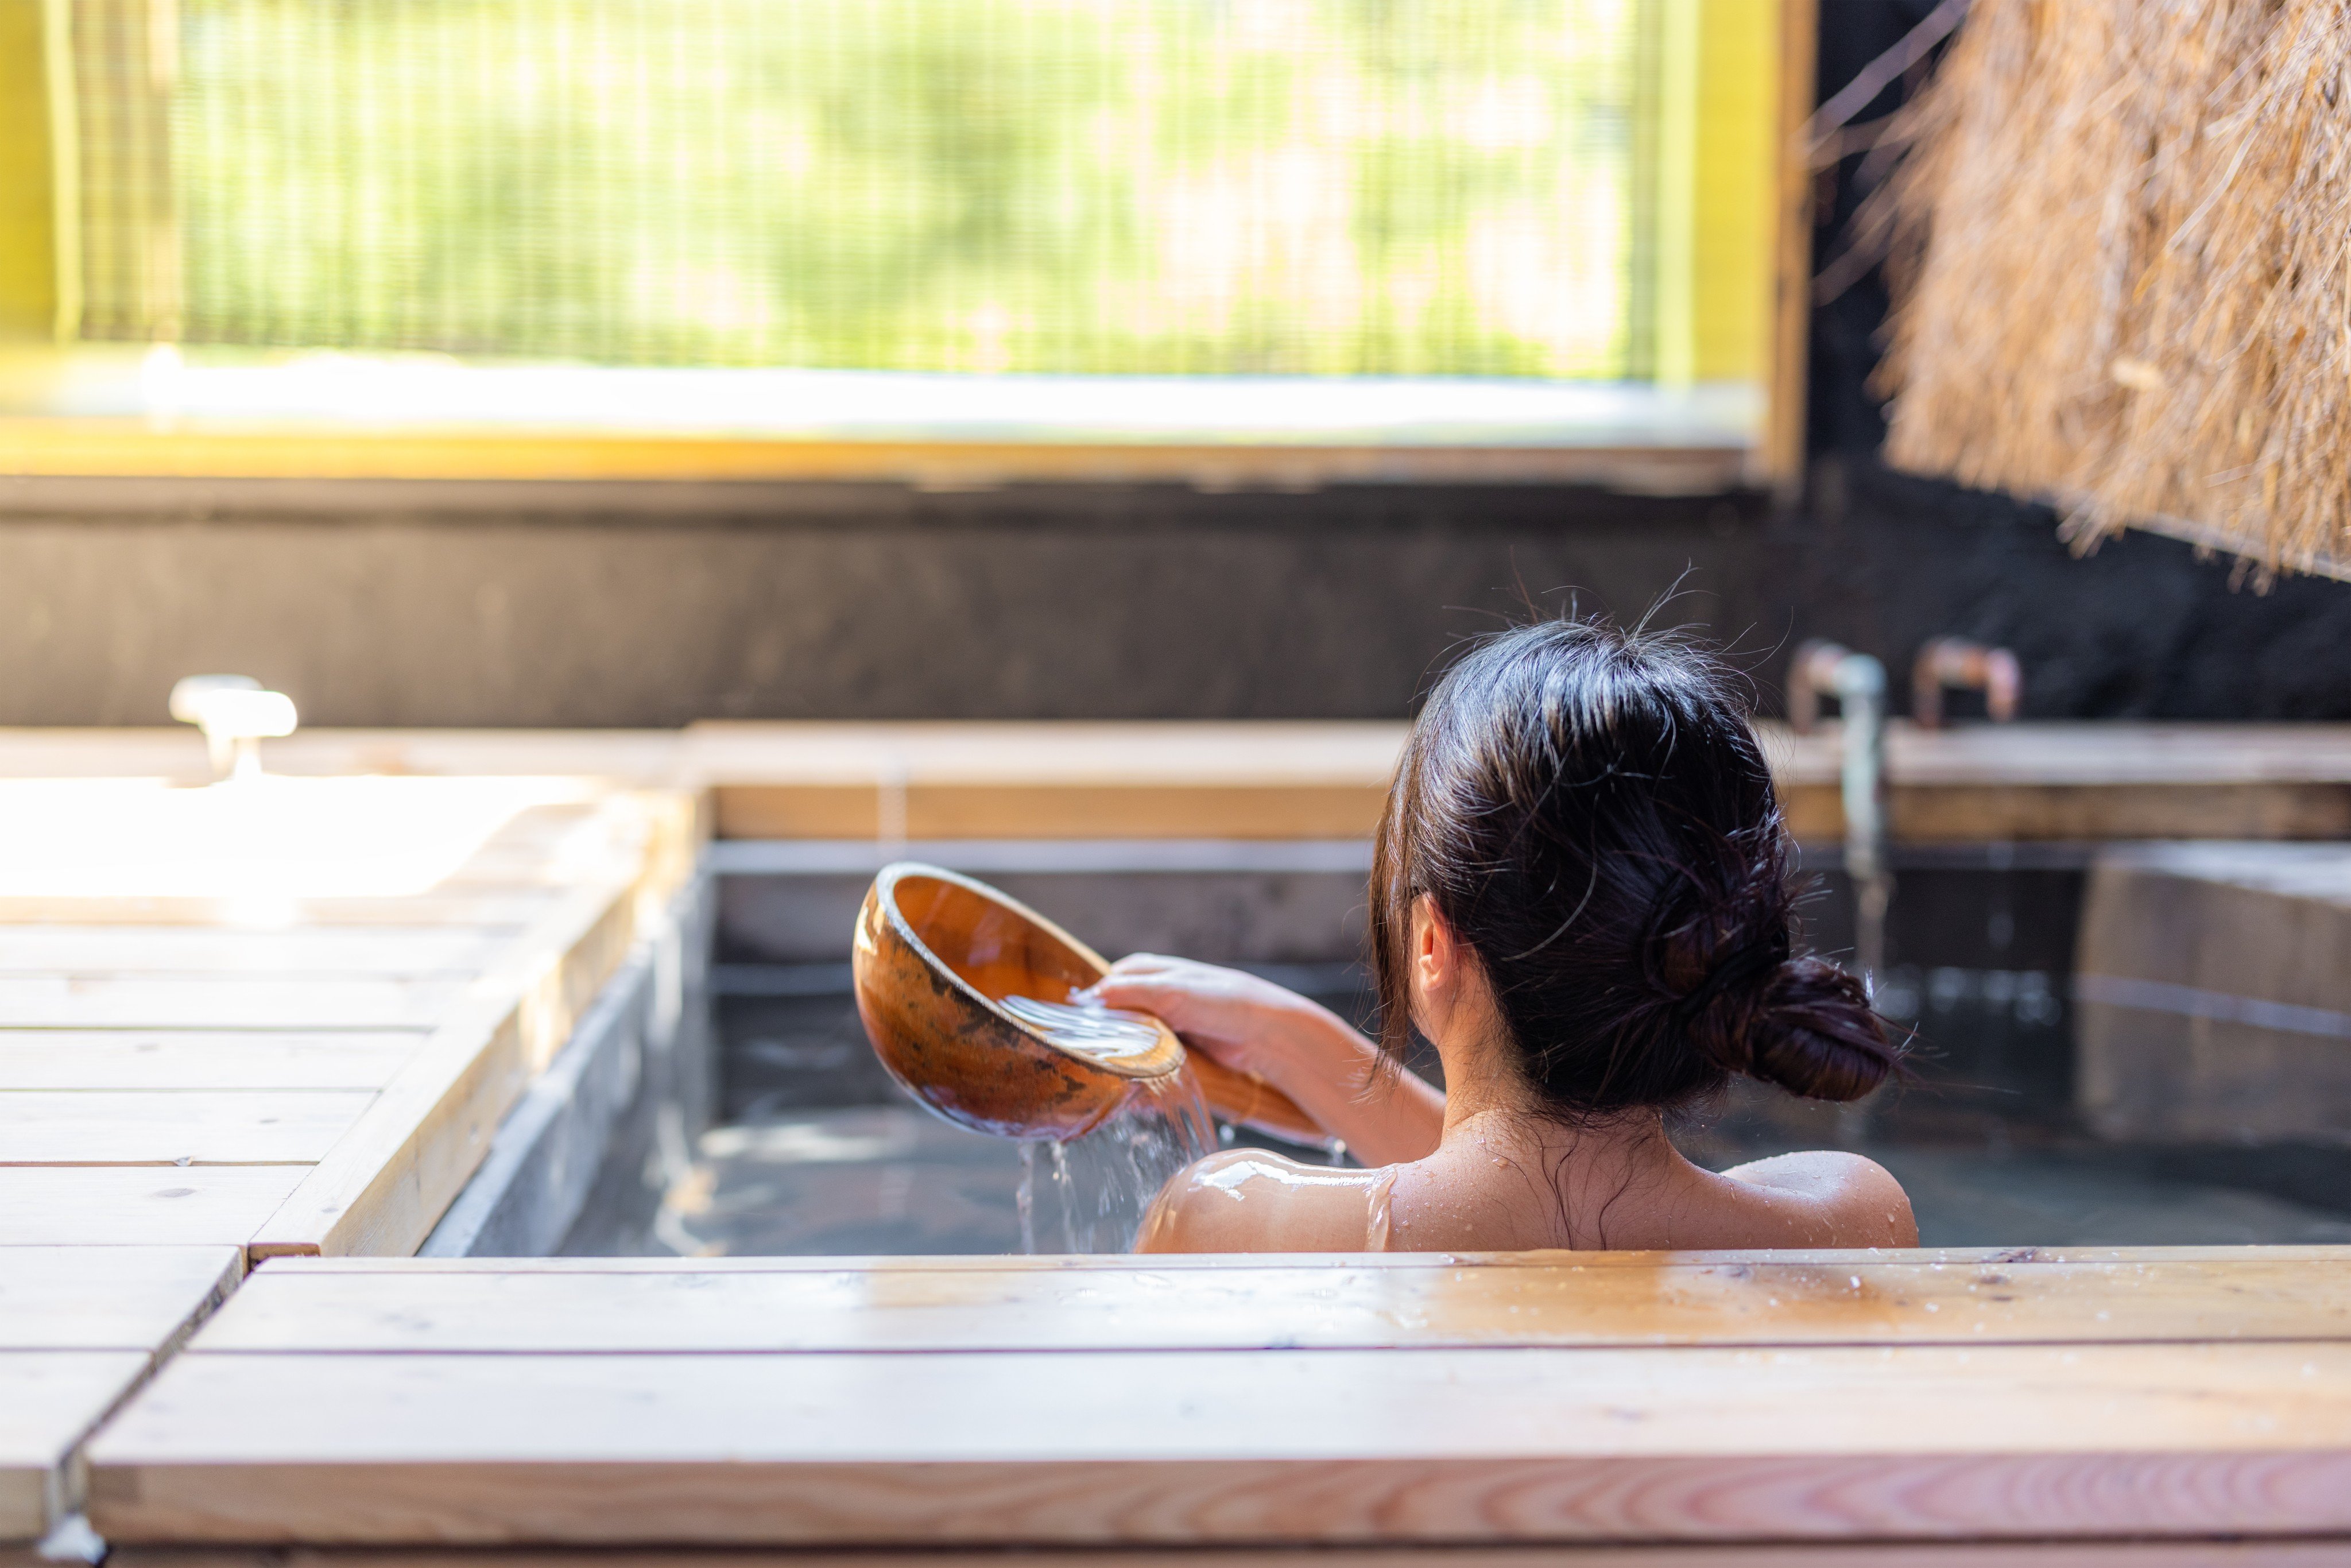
x=936, y=954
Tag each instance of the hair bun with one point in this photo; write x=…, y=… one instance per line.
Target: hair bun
x=1804, y=1025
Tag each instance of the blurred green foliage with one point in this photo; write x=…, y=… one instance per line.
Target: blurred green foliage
x=1424, y=187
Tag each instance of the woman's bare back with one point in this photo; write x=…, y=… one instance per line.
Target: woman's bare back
x=1513, y=1189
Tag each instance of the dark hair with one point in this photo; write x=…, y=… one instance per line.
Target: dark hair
x=1588, y=809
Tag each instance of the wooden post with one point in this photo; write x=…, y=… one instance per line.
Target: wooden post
x=1783, y=443
x=1732, y=191
x=30, y=253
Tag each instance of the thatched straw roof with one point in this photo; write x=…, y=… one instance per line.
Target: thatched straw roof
x=2121, y=260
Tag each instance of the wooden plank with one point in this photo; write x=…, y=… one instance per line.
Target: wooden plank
x=202, y=1127
x=797, y=812
x=32, y=208
x=1972, y=783
x=140, y=1205
x=864, y=755
x=1781, y=458
x=1971, y=813
x=1055, y=811
x=1249, y=754
x=2102, y=752
x=109, y=1297
x=1177, y=1262
x=507, y=907
x=1991, y=783
x=1743, y=1555
x=259, y=845
x=1052, y=780
x=1261, y=1446
x=391, y=1176
x=1979, y=784
x=1244, y=1305
x=1927, y=814
x=73, y=1001
x=48, y=1401
x=177, y=752
x=2023, y=813
x=94, y=446
x=201, y=1058
x=1087, y=810
x=1155, y=751
x=313, y=953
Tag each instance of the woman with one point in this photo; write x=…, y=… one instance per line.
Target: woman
x=1581, y=894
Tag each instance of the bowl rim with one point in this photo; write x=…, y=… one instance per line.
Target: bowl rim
x=1164, y=1061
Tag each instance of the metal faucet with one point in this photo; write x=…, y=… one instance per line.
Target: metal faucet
x=235, y=716
x=1969, y=665
x=1857, y=682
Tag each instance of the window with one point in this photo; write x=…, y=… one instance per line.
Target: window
x=1482, y=222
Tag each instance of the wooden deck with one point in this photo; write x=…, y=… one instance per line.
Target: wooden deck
x=275, y=1017
x=1552, y=1398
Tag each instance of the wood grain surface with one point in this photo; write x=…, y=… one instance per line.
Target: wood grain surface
x=1171, y=1262
x=108, y=1298
x=48, y=1400
x=214, y=1023
x=203, y=1059
x=79, y=1325
x=2137, y=1553
x=467, y=908
x=1979, y=783
x=138, y=1001
x=145, y=1205
x=686, y=1308
x=202, y=1127
x=310, y=952
x=388, y=1179
x=1269, y=1445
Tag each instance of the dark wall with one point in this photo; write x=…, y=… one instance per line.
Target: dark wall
x=1882, y=560
x=472, y=605
x=467, y=605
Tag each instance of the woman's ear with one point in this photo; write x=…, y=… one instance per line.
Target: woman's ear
x=1435, y=969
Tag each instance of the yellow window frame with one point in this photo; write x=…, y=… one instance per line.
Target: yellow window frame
x=1733, y=259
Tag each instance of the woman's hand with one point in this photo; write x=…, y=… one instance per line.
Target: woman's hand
x=1306, y=1051
x=1245, y=1023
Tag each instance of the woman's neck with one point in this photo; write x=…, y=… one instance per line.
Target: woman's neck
x=1493, y=1119
x=1517, y=1178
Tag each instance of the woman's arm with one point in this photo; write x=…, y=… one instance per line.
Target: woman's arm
x=1302, y=1048
x=1248, y=1200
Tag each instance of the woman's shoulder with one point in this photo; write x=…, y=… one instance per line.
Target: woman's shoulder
x=1253, y=1200
x=1826, y=1198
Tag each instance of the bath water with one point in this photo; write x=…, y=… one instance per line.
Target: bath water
x=1097, y=1186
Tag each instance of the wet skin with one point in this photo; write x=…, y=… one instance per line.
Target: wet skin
x=1477, y=1169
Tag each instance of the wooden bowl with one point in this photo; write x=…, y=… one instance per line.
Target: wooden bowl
x=934, y=957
